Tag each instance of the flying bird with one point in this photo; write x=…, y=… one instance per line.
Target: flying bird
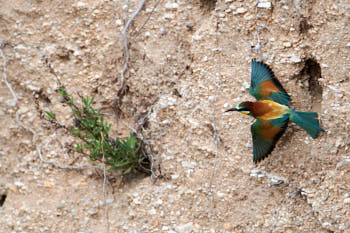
x=271, y=112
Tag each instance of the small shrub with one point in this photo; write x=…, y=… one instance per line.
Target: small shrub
x=93, y=131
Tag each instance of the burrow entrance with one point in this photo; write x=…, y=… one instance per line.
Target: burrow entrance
x=309, y=76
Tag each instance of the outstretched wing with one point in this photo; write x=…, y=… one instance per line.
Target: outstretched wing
x=265, y=86
x=265, y=136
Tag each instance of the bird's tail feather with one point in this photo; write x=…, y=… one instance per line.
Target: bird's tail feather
x=307, y=121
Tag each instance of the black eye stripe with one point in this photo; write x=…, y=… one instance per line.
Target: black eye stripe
x=244, y=109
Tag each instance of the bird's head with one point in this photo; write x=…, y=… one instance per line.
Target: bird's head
x=244, y=108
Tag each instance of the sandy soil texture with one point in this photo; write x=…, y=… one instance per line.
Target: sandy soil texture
x=188, y=63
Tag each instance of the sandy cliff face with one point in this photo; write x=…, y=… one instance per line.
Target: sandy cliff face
x=188, y=63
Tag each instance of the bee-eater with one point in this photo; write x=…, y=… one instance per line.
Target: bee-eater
x=271, y=111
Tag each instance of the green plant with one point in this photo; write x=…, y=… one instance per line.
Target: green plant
x=93, y=131
x=50, y=115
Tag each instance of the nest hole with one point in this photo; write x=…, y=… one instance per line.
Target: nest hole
x=2, y=199
x=310, y=75
x=313, y=72
x=208, y=5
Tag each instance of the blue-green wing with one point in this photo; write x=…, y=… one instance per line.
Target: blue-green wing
x=265, y=86
x=265, y=135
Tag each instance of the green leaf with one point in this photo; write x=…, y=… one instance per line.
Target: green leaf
x=63, y=92
x=75, y=131
x=128, y=170
x=85, y=101
x=79, y=148
x=50, y=115
x=121, y=164
x=131, y=141
x=75, y=111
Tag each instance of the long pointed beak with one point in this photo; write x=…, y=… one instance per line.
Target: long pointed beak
x=231, y=109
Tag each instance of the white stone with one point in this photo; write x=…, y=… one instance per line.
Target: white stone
x=334, y=88
x=347, y=201
x=171, y=6
x=248, y=17
x=188, y=164
x=287, y=44
x=152, y=212
x=92, y=212
x=168, y=16
x=221, y=195
x=172, y=101
x=80, y=4
x=158, y=203
x=21, y=47
x=33, y=88
x=196, y=37
x=255, y=172
x=171, y=198
x=19, y=184
x=186, y=228
x=119, y=22
x=109, y=201
x=326, y=224
x=344, y=164
x=212, y=98
x=266, y=5
x=22, y=110
x=137, y=201
x=246, y=85
x=294, y=58
x=241, y=10
x=163, y=31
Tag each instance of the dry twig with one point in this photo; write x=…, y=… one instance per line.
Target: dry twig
x=154, y=176
x=15, y=99
x=104, y=185
x=259, y=45
x=155, y=6
x=216, y=136
x=126, y=48
x=297, y=192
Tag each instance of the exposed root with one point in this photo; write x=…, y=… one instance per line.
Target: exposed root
x=15, y=99
x=121, y=91
x=216, y=136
